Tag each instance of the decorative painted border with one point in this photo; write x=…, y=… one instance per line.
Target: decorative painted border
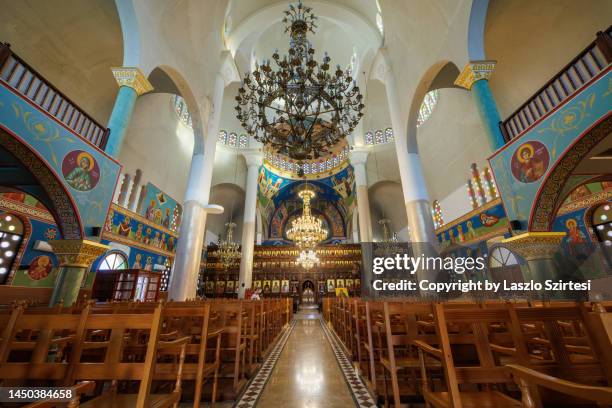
x=469, y=215
x=256, y=386
x=117, y=208
x=110, y=236
x=360, y=393
x=32, y=212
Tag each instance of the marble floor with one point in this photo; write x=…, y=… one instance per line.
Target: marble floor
x=307, y=374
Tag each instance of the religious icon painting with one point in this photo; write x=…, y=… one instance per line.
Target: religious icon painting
x=349, y=284
x=340, y=283
x=220, y=286
x=236, y=287
x=229, y=286
x=276, y=286
x=40, y=267
x=331, y=285
x=80, y=170
x=530, y=162
x=294, y=286
x=322, y=286
x=266, y=286
x=209, y=286
x=357, y=285
x=285, y=286
x=256, y=284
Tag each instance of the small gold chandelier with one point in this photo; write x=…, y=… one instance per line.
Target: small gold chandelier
x=307, y=230
x=229, y=251
x=308, y=259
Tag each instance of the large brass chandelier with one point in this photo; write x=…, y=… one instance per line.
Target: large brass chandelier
x=300, y=107
x=307, y=230
x=229, y=251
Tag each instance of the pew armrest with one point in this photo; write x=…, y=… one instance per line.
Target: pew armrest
x=174, y=343
x=526, y=378
x=428, y=348
x=78, y=389
x=509, y=351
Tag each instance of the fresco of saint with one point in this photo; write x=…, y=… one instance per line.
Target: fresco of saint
x=80, y=170
x=530, y=162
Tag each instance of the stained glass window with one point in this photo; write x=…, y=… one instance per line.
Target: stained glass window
x=223, y=137
x=379, y=136
x=180, y=106
x=427, y=106
x=232, y=139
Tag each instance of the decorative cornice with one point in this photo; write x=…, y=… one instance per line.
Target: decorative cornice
x=469, y=215
x=534, y=245
x=130, y=242
x=475, y=71
x=77, y=253
x=132, y=77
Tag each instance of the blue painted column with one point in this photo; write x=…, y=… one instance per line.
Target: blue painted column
x=132, y=83
x=120, y=119
x=487, y=108
x=475, y=78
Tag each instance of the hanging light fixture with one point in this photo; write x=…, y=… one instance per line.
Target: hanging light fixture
x=308, y=259
x=229, y=251
x=307, y=230
x=300, y=108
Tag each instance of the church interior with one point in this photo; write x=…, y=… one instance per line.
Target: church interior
x=193, y=192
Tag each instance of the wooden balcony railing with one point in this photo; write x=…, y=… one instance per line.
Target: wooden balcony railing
x=29, y=83
x=591, y=61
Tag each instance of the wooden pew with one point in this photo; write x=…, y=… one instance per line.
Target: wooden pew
x=475, y=384
x=120, y=360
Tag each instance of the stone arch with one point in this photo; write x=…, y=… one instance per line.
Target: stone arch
x=167, y=79
x=40, y=181
x=440, y=75
x=476, y=27
x=227, y=195
x=550, y=194
x=386, y=199
x=130, y=32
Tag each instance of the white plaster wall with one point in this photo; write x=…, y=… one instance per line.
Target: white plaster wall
x=158, y=144
x=533, y=40
x=455, y=204
x=449, y=142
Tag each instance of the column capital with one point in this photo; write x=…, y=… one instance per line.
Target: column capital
x=475, y=71
x=132, y=77
x=534, y=245
x=359, y=156
x=253, y=157
x=76, y=252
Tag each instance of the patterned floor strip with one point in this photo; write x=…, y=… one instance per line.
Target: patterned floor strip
x=358, y=389
x=253, y=391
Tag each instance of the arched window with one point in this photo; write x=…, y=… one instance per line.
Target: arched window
x=113, y=261
x=427, y=106
x=11, y=235
x=504, y=265
x=180, y=106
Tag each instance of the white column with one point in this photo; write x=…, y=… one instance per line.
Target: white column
x=411, y=171
x=254, y=160
x=186, y=269
x=359, y=159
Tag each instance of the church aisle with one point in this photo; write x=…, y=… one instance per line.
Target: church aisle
x=307, y=373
